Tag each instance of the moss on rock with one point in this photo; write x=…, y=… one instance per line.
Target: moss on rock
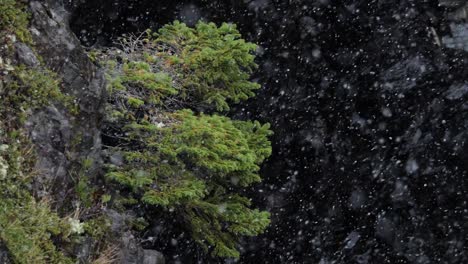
x=28, y=228
x=14, y=20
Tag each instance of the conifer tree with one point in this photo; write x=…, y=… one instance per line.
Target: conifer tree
x=174, y=158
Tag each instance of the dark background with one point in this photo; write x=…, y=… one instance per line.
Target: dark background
x=370, y=115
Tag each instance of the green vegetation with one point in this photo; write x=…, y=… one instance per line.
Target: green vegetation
x=31, y=89
x=197, y=163
x=14, y=20
x=214, y=62
x=98, y=227
x=28, y=228
x=172, y=158
x=204, y=66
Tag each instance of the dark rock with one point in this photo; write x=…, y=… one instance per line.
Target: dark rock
x=64, y=140
x=120, y=221
x=25, y=55
x=458, y=38
x=153, y=257
x=352, y=239
x=84, y=249
x=385, y=229
x=4, y=256
x=50, y=129
x=405, y=75
x=130, y=252
x=116, y=159
x=457, y=91
x=451, y=3
x=357, y=199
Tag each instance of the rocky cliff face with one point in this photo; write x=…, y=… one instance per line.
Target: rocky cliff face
x=368, y=101
x=63, y=140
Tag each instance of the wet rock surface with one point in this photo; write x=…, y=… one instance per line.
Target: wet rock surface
x=132, y=253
